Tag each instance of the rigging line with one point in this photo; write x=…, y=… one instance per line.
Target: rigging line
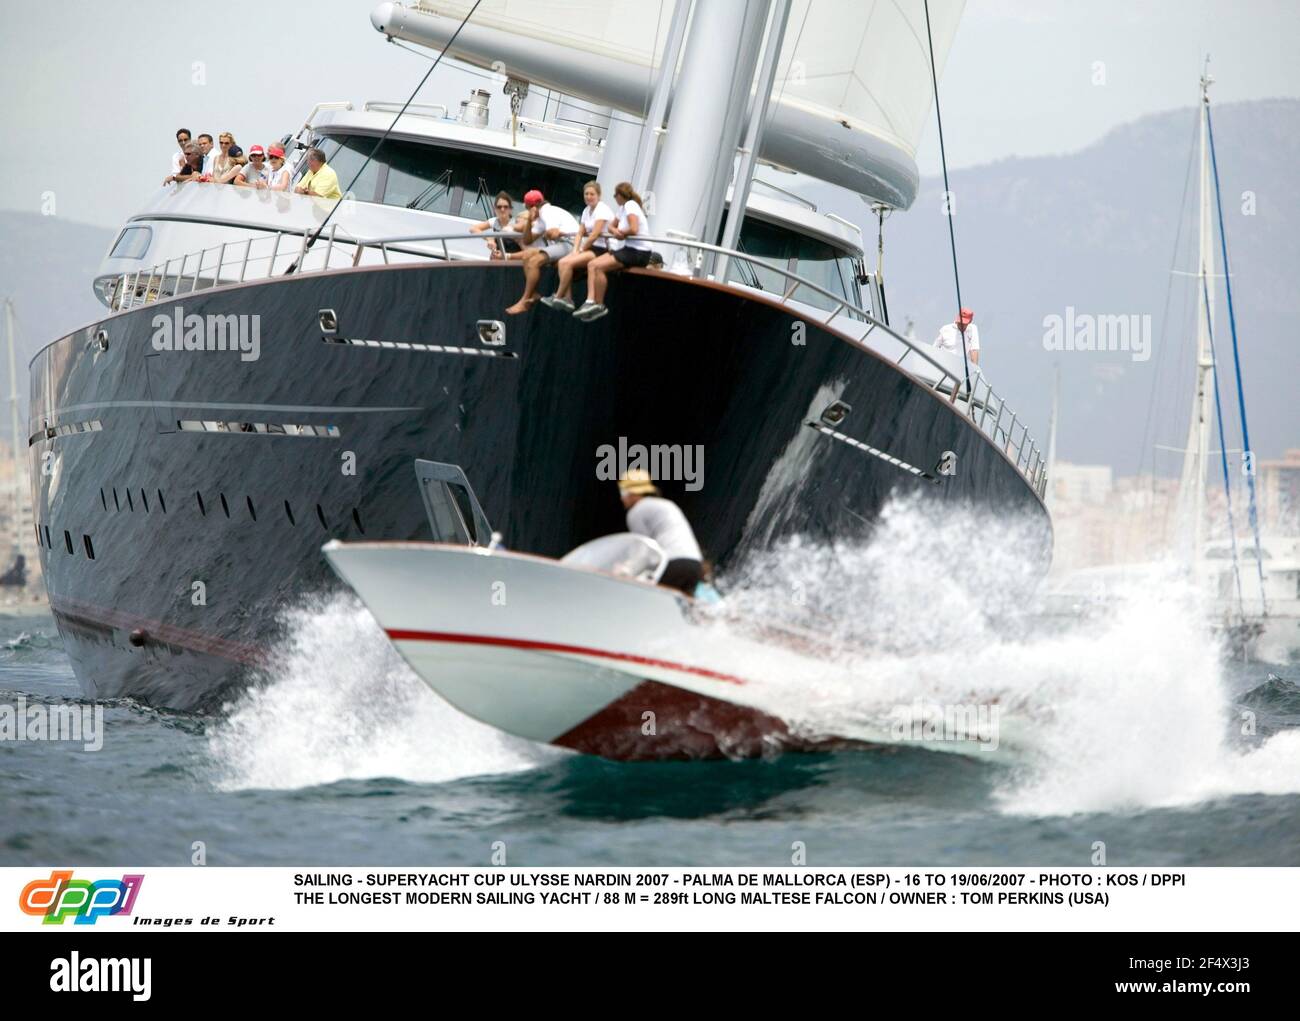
x=1223, y=452
x=1169, y=288
x=943, y=158
x=1236, y=360
x=293, y=267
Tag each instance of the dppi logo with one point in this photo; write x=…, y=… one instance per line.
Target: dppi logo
x=60, y=896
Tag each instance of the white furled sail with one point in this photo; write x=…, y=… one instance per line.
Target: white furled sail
x=852, y=92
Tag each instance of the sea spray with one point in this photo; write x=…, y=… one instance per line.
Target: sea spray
x=337, y=702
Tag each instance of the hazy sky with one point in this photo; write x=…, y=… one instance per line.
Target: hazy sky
x=94, y=89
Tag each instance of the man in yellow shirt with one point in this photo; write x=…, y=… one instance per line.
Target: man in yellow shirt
x=320, y=180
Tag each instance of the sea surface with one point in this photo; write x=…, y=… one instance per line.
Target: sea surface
x=1130, y=735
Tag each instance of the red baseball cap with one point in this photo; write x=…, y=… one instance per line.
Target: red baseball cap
x=534, y=198
x=256, y=150
x=965, y=315
x=275, y=150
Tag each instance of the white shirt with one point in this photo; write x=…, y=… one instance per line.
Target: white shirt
x=277, y=179
x=592, y=215
x=253, y=173
x=949, y=338
x=549, y=216
x=628, y=209
x=663, y=521
x=178, y=160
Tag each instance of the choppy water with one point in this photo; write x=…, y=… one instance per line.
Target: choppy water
x=1128, y=730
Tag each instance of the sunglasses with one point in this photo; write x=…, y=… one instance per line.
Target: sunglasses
x=505, y=207
x=256, y=156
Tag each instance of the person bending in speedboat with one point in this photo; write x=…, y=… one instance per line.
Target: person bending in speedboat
x=649, y=514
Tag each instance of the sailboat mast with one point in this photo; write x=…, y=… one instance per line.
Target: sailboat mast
x=1196, y=455
x=13, y=413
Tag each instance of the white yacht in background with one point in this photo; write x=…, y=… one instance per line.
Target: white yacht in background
x=764, y=339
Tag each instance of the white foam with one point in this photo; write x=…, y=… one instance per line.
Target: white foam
x=1123, y=711
x=336, y=702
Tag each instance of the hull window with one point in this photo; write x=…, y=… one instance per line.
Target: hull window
x=202, y=510
x=225, y=506
x=144, y=499
x=161, y=504
x=356, y=518
x=321, y=514
x=252, y=511
x=288, y=513
x=90, y=549
x=67, y=541
x=258, y=428
x=102, y=498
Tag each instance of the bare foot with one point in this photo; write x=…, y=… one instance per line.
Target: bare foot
x=521, y=305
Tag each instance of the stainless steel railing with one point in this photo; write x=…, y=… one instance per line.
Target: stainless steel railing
x=230, y=263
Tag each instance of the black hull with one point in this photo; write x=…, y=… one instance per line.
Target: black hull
x=245, y=513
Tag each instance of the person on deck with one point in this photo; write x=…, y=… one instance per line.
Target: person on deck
x=627, y=247
x=590, y=243
x=503, y=219
x=547, y=232
x=961, y=333
x=255, y=173
x=205, y=146
x=649, y=514
x=192, y=168
x=178, y=157
x=229, y=161
x=278, y=176
x=320, y=181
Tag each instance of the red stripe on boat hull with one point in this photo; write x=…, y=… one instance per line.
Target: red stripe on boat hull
x=398, y=635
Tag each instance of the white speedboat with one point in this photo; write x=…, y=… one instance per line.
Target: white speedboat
x=586, y=652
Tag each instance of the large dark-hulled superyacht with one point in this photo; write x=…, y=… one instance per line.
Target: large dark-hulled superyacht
x=182, y=495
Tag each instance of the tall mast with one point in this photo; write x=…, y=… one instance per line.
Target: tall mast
x=709, y=101
x=13, y=413
x=1196, y=452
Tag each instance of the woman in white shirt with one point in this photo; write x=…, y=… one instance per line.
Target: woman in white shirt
x=278, y=176
x=589, y=244
x=627, y=247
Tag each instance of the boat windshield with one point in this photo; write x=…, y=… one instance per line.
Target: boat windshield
x=821, y=263
x=457, y=182
x=623, y=555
